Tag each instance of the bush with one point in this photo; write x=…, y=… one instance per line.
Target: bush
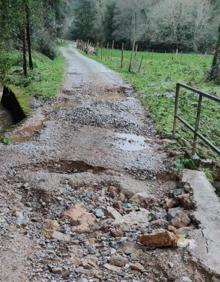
x=46, y=47
x=7, y=61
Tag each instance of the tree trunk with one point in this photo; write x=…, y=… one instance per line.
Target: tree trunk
x=24, y=50
x=28, y=36
x=215, y=70
x=122, y=55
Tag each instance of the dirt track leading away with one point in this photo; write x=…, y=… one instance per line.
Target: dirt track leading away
x=94, y=145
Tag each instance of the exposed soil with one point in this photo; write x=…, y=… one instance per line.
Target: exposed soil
x=95, y=146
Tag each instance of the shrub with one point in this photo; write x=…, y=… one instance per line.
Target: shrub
x=7, y=61
x=46, y=46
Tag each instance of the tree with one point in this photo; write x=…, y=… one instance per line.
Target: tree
x=21, y=21
x=131, y=19
x=28, y=30
x=181, y=24
x=128, y=21
x=215, y=69
x=109, y=21
x=84, y=19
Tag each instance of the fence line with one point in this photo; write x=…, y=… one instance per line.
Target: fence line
x=195, y=129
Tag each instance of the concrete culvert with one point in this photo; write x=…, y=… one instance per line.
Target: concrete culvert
x=10, y=102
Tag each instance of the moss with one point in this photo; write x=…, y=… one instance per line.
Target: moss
x=22, y=97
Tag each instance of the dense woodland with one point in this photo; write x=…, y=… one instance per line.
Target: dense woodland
x=27, y=25
x=161, y=25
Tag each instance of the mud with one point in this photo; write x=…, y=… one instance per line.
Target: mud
x=96, y=147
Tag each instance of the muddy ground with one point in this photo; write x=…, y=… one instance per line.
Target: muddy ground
x=85, y=176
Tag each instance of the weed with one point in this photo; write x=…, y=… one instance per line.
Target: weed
x=5, y=140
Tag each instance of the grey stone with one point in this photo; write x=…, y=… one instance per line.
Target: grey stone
x=21, y=218
x=92, y=250
x=172, y=213
x=186, y=279
x=118, y=261
x=177, y=192
x=83, y=280
x=99, y=213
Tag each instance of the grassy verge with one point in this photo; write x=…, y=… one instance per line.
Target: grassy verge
x=42, y=82
x=156, y=85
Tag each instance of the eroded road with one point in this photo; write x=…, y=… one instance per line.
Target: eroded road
x=83, y=179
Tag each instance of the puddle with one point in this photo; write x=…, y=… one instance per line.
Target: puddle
x=130, y=142
x=110, y=96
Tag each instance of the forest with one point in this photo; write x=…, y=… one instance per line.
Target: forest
x=158, y=25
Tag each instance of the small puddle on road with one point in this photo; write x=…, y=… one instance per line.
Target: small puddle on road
x=130, y=142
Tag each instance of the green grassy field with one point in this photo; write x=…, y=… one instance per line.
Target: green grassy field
x=156, y=84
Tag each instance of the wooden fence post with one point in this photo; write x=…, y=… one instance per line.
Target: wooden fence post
x=122, y=55
x=136, y=49
x=176, y=109
x=113, y=46
x=101, y=51
x=139, y=69
x=131, y=58
x=107, y=51
x=197, y=125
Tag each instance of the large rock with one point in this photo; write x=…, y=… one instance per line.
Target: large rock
x=181, y=220
x=80, y=218
x=159, y=239
x=114, y=213
x=170, y=203
x=186, y=201
x=50, y=227
x=144, y=199
x=119, y=261
x=56, y=235
x=113, y=268
x=137, y=267
x=136, y=218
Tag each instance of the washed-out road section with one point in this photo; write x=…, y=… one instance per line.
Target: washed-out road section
x=95, y=145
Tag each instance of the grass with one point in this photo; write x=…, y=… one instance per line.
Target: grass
x=42, y=82
x=156, y=84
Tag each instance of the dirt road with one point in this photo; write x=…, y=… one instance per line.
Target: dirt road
x=95, y=146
